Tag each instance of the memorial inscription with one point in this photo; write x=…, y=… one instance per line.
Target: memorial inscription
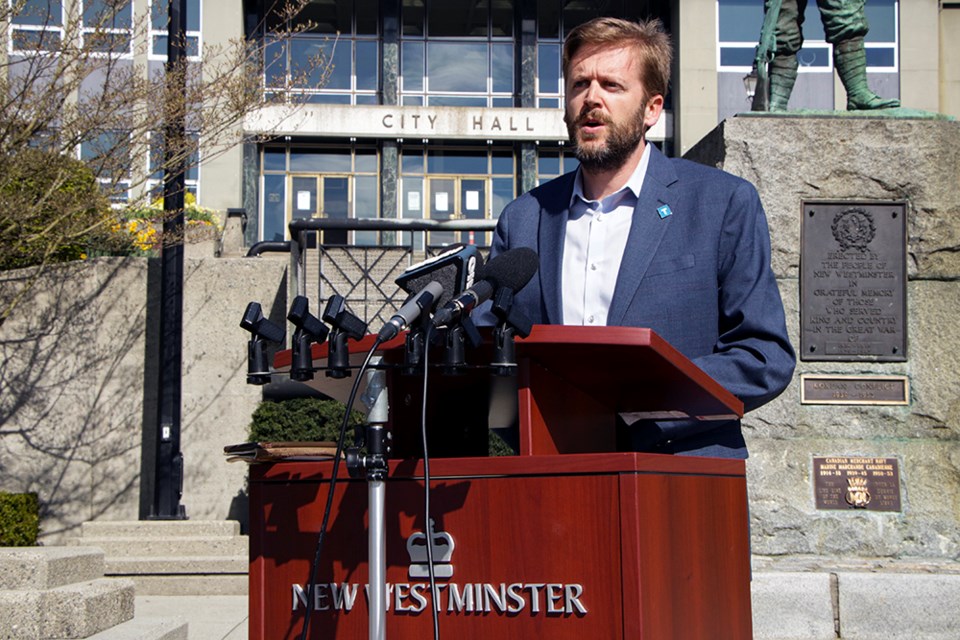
x=853, y=281
x=843, y=482
x=877, y=390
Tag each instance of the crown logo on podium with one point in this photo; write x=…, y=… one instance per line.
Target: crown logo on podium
x=443, y=546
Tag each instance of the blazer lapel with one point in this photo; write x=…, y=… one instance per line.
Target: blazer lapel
x=554, y=211
x=646, y=232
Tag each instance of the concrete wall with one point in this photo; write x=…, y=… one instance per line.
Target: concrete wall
x=78, y=369
x=790, y=159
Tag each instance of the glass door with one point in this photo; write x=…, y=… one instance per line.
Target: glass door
x=319, y=196
x=456, y=198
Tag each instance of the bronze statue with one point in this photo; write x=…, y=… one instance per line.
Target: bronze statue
x=845, y=26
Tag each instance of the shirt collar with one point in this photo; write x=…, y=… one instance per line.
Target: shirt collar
x=634, y=182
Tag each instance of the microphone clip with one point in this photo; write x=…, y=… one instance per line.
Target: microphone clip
x=455, y=340
x=344, y=325
x=511, y=323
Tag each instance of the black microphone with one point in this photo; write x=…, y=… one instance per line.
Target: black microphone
x=455, y=269
x=420, y=302
x=512, y=269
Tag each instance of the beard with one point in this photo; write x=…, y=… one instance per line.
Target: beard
x=621, y=140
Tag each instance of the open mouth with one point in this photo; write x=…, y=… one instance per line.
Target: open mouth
x=591, y=123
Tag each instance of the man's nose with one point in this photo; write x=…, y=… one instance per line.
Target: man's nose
x=592, y=95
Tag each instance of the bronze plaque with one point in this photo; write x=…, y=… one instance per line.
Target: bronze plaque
x=882, y=390
x=853, y=281
x=871, y=484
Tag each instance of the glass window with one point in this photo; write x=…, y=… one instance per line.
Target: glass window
x=107, y=26
x=457, y=67
x=36, y=26
x=108, y=156
x=274, y=159
x=313, y=160
x=38, y=13
x=159, y=29
x=339, y=182
x=552, y=163
x=468, y=59
x=412, y=15
x=457, y=18
x=367, y=65
x=411, y=66
x=739, y=23
x=367, y=190
x=155, y=168
x=330, y=63
x=273, y=226
x=452, y=183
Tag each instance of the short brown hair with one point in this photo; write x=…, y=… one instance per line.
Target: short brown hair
x=651, y=42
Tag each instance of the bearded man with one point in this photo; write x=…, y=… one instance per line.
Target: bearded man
x=632, y=238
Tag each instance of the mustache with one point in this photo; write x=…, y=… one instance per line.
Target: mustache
x=592, y=115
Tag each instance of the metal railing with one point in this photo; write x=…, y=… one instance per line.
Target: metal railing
x=363, y=274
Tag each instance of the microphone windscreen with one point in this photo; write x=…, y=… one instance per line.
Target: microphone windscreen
x=511, y=269
x=455, y=269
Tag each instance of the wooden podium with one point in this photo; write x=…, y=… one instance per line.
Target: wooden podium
x=567, y=540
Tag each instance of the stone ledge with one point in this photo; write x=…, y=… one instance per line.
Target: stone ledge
x=159, y=528
x=146, y=629
x=855, y=605
x=38, y=568
x=173, y=546
x=220, y=584
x=71, y=611
x=182, y=565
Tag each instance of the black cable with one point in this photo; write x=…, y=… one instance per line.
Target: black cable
x=333, y=483
x=434, y=596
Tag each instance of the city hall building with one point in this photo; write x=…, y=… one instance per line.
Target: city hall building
x=449, y=109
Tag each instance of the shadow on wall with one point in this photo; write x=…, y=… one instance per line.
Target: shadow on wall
x=71, y=388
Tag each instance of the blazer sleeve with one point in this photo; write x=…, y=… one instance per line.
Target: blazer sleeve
x=753, y=357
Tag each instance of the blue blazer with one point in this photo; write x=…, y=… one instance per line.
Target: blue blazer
x=697, y=272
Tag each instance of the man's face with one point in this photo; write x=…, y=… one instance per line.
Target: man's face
x=607, y=110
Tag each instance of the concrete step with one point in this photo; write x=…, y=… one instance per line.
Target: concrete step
x=146, y=629
x=220, y=584
x=76, y=610
x=174, y=546
x=39, y=568
x=856, y=605
x=184, y=565
x=159, y=528
x=181, y=557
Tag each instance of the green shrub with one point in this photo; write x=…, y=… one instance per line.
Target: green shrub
x=318, y=420
x=301, y=420
x=52, y=210
x=19, y=519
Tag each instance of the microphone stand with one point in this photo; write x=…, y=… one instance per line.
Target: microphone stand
x=511, y=324
x=344, y=325
x=373, y=465
x=455, y=339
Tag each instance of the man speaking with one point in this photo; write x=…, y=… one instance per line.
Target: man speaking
x=633, y=238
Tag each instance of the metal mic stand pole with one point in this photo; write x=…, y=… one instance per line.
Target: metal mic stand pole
x=374, y=463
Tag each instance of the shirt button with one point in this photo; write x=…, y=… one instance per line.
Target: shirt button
x=590, y=320
x=593, y=267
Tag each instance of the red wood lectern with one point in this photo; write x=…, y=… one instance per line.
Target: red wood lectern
x=567, y=540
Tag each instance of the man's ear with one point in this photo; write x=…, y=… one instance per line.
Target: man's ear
x=652, y=110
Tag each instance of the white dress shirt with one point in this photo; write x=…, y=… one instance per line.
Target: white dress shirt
x=593, y=246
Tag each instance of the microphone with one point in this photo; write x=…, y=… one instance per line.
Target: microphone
x=512, y=269
x=455, y=269
x=417, y=304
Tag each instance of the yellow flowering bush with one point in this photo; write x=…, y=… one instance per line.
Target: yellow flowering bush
x=194, y=214
x=141, y=233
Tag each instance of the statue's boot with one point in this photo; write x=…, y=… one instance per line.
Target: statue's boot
x=850, y=59
x=783, y=75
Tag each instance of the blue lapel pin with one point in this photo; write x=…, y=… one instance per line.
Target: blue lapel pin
x=664, y=211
